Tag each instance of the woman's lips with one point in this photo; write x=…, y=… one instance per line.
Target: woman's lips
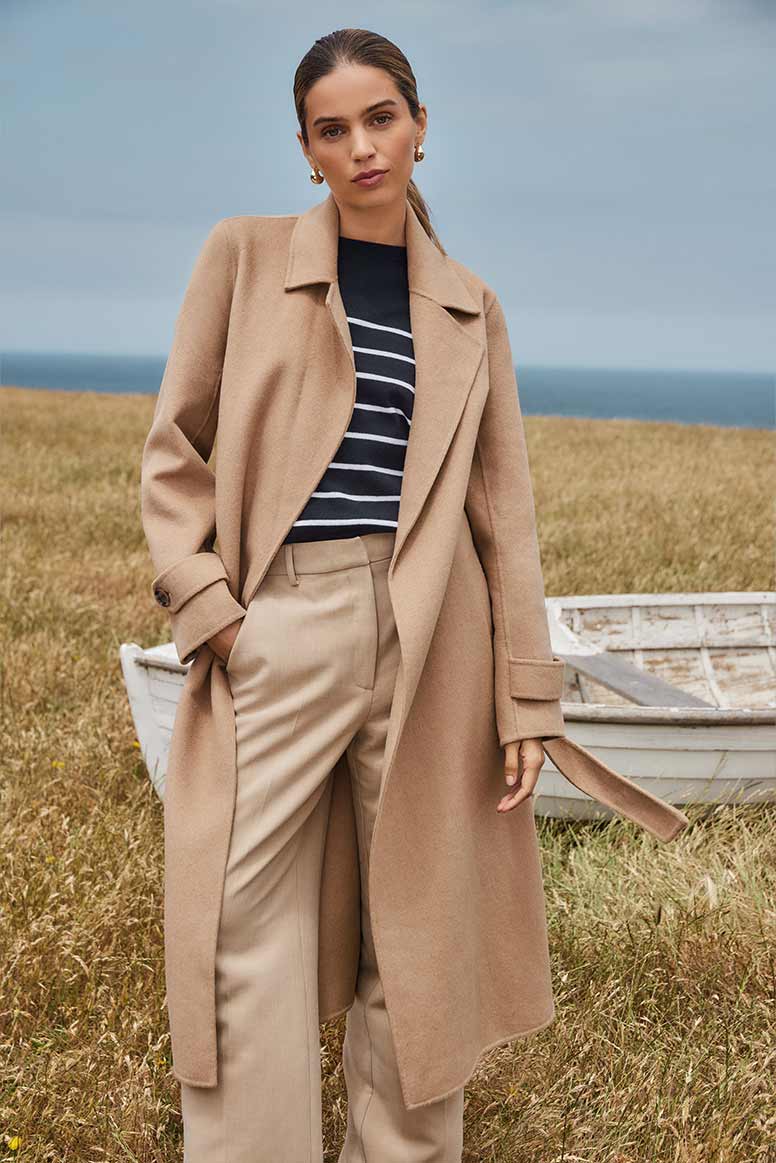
x=373, y=181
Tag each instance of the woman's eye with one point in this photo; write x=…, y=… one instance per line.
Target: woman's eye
x=332, y=130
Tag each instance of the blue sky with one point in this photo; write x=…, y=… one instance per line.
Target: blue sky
x=606, y=165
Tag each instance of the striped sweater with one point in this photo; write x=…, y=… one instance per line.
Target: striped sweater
x=360, y=490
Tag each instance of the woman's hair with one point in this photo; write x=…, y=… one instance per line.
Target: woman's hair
x=358, y=46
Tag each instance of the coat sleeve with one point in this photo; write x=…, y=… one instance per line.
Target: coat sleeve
x=177, y=488
x=500, y=509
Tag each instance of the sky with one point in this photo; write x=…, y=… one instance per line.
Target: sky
x=607, y=166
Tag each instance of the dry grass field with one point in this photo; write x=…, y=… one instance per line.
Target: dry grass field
x=664, y=956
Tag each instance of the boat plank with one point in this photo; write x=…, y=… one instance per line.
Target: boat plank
x=627, y=680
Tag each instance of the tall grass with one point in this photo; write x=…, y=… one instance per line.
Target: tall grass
x=664, y=1046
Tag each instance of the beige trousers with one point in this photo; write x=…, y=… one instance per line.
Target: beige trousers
x=312, y=673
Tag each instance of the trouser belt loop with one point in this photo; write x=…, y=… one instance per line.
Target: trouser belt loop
x=290, y=564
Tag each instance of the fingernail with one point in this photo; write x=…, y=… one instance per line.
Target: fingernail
x=510, y=779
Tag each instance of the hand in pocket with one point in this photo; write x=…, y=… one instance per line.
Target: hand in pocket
x=222, y=642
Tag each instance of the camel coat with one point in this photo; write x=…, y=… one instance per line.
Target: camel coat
x=262, y=357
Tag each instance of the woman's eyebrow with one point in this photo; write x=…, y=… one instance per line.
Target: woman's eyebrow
x=369, y=108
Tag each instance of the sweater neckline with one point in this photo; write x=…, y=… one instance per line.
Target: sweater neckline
x=364, y=246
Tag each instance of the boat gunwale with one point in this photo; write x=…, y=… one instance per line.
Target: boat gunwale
x=670, y=716
x=666, y=598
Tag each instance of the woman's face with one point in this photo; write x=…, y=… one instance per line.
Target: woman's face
x=357, y=120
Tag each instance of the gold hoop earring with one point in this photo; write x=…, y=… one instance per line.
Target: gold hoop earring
x=419, y=154
x=316, y=176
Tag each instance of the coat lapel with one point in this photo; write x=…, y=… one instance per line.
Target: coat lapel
x=447, y=355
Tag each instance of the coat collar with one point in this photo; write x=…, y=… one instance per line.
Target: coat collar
x=315, y=243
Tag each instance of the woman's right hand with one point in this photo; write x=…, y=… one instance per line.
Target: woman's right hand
x=222, y=642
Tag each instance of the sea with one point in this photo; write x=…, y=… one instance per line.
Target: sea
x=730, y=399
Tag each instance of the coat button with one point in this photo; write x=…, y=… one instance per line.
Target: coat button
x=162, y=596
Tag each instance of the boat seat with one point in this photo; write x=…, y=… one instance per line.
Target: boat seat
x=627, y=680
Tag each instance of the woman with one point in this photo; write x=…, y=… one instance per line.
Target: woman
x=370, y=657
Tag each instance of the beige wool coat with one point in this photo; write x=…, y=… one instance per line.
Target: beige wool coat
x=262, y=358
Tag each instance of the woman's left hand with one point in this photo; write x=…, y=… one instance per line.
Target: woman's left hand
x=523, y=761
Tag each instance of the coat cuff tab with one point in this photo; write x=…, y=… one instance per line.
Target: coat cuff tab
x=535, y=678
x=179, y=582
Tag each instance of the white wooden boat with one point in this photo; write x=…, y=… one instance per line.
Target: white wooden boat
x=675, y=691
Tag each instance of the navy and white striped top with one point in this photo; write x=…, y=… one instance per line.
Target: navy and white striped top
x=360, y=490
